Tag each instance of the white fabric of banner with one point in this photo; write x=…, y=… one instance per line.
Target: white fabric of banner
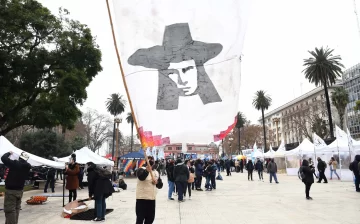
x=181, y=61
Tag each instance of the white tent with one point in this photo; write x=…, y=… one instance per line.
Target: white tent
x=6, y=146
x=270, y=153
x=258, y=154
x=306, y=147
x=281, y=150
x=85, y=155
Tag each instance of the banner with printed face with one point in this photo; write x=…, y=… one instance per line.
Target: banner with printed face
x=181, y=61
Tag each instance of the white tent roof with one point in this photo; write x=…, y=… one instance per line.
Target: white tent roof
x=258, y=154
x=306, y=147
x=85, y=155
x=270, y=153
x=281, y=150
x=6, y=146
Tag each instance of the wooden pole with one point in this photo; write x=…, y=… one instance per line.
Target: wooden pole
x=125, y=84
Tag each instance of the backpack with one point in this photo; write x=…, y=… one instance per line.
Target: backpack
x=191, y=178
x=103, y=172
x=301, y=174
x=325, y=164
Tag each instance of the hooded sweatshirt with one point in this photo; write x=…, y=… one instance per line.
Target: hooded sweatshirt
x=309, y=178
x=354, y=166
x=181, y=173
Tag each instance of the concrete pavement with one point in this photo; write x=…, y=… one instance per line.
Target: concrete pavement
x=236, y=200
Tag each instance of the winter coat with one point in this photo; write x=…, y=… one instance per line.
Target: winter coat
x=321, y=166
x=181, y=173
x=170, y=172
x=272, y=167
x=250, y=166
x=259, y=166
x=213, y=169
x=228, y=164
x=99, y=187
x=354, y=166
x=72, y=179
x=241, y=164
x=199, y=170
x=50, y=174
x=309, y=172
x=17, y=174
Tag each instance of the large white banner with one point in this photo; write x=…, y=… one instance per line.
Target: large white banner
x=181, y=61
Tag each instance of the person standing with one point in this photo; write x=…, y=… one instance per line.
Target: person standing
x=237, y=168
x=333, y=167
x=272, y=169
x=250, y=169
x=354, y=167
x=50, y=179
x=260, y=168
x=14, y=185
x=306, y=173
x=100, y=188
x=199, y=171
x=72, y=180
x=241, y=166
x=181, y=176
x=311, y=165
x=171, y=180
x=321, y=168
x=190, y=180
x=81, y=177
x=146, y=191
x=228, y=166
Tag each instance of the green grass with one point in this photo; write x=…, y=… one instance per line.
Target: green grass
x=26, y=188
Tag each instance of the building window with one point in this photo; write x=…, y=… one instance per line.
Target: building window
x=179, y=148
x=189, y=148
x=169, y=148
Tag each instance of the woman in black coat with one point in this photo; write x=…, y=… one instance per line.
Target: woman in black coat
x=306, y=173
x=100, y=188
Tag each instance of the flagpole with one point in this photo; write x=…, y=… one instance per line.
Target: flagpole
x=125, y=84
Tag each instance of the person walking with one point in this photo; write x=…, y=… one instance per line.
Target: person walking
x=306, y=173
x=272, y=169
x=228, y=166
x=250, y=169
x=355, y=168
x=72, y=180
x=50, y=179
x=146, y=191
x=333, y=166
x=171, y=180
x=260, y=168
x=241, y=166
x=181, y=176
x=14, y=185
x=321, y=168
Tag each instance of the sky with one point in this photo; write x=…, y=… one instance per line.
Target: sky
x=280, y=33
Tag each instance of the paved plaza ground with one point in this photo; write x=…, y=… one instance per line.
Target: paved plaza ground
x=236, y=200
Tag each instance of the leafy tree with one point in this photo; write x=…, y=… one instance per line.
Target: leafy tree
x=130, y=120
x=319, y=127
x=340, y=99
x=262, y=102
x=77, y=143
x=46, y=64
x=323, y=69
x=357, y=106
x=45, y=144
x=240, y=121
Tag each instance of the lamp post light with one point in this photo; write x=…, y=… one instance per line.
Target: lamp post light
x=276, y=120
x=117, y=121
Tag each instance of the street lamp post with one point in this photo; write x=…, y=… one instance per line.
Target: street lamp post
x=230, y=143
x=117, y=122
x=276, y=121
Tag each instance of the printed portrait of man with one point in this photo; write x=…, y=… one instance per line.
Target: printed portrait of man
x=180, y=63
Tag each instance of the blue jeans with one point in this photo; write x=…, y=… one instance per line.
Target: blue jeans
x=331, y=173
x=100, y=208
x=273, y=175
x=171, y=189
x=207, y=184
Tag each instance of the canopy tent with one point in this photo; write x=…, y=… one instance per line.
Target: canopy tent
x=270, y=153
x=281, y=151
x=134, y=155
x=306, y=147
x=258, y=154
x=6, y=146
x=85, y=155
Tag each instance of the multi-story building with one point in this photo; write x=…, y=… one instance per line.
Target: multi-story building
x=351, y=81
x=200, y=149
x=292, y=121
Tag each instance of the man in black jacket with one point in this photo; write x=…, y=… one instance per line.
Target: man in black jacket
x=354, y=166
x=181, y=176
x=321, y=168
x=14, y=184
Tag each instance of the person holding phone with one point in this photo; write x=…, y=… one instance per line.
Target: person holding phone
x=72, y=181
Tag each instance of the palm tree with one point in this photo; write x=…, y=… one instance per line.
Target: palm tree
x=340, y=99
x=115, y=105
x=130, y=120
x=240, y=121
x=262, y=102
x=323, y=69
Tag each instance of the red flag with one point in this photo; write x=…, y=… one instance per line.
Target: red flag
x=165, y=141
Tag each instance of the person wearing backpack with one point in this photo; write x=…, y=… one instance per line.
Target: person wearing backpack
x=321, y=168
x=306, y=174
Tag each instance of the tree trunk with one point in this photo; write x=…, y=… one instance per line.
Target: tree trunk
x=329, y=110
x=132, y=141
x=263, y=120
x=113, y=145
x=239, y=143
x=341, y=115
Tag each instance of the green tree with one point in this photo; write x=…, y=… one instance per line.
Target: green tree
x=323, y=69
x=77, y=143
x=357, y=106
x=319, y=127
x=46, y=63
x=45, y=144
x=340, y=99
x=262, y=102
x=240, y=122
x=115, y=105
x=130, y=120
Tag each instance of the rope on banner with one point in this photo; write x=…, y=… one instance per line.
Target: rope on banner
x=125, y=84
